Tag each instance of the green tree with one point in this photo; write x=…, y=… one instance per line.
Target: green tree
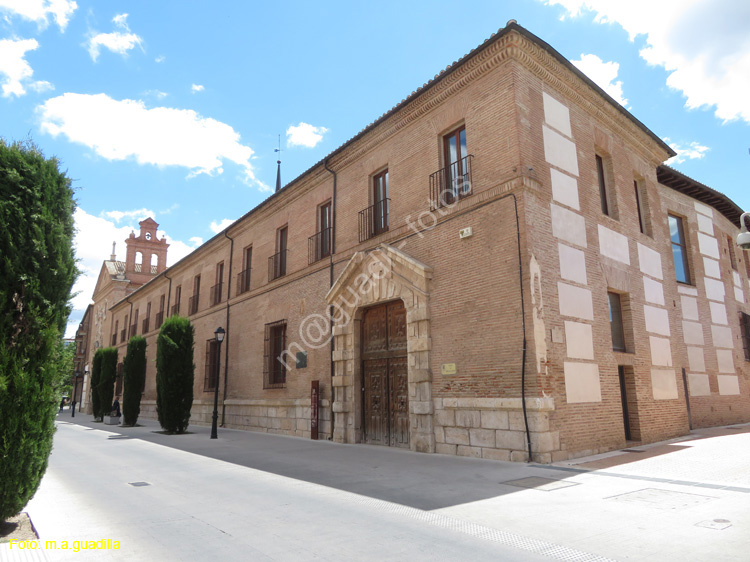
x=135, y=377
x=174, y=374
x=37, y=272
x=106, y=388
x=96, y=376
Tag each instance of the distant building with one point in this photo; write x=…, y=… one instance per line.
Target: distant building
x=506, y=259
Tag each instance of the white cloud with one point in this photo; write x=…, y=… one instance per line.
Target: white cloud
x=160, y=58
x=196, y=241
x=40, y=10
x=604, y=75
x=197, y=88
x=704, y=45
x=118, y=41
x=217, y=227
x=693, y=151
x=93, y=245
x=158, y=94
x=136, y=215
x=162, y=136
x=15, y=71
x=304, y=135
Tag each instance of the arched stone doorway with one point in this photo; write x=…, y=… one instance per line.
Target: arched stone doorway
x=382, y=275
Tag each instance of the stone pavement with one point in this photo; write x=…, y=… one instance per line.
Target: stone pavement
x=685, y=499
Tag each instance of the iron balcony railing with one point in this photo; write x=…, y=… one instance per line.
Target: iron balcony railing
x=145, y=324
x=451, y=183
x=216, y=293
x=193, y=304
x=277, y=265
x=319, y=245
x=243, y=281
x=175, y=309
x=373, y=220
x=159, y=320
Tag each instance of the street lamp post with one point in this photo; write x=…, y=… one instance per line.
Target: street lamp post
x=75, y=394
x=219, y=333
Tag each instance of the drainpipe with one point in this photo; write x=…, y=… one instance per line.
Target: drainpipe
x=523, y=328
x=330, y=308
x=226, y=339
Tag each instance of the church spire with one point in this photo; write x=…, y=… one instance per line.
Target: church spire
x=278, y=166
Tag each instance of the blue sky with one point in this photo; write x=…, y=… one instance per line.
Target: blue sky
x=173, y=108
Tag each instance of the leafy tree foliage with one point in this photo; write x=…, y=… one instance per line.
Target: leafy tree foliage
x=96, y=376
x=106, y=388
x=37, y=271
x=135, y=377
x=174, y=374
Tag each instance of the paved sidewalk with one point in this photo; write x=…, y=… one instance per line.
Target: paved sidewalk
x=685, y=499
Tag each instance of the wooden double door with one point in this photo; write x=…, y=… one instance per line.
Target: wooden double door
x=385, y=388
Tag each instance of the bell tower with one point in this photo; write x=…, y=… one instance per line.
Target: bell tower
x=146, y=254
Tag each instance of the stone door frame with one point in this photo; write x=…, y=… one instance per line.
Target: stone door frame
x=374, y=277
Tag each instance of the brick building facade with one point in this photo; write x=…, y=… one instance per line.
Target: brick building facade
x=506, y=262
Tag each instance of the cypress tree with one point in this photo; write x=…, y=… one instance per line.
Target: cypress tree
x=106, y=386
x=174, y=374
x=37, y=272
x=96, y=375
x=135, y=377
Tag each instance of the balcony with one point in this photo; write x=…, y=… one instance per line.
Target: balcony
x=215, y=294
x=144, y=326
x=319, y=245
x=451, y=183
x=159, y=320
x=277, y=265
x=193, y=304
x=175, y=309
x=243, y=281
x=374, y=220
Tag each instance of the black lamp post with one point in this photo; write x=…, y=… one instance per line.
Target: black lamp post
x=75, y=394
x=219, y=333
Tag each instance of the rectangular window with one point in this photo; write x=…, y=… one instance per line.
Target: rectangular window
x=243, y=278
x=147, y=319
x=217, y=289
x=195, y=299
x=602, y=184
x=159, y=315
x=117, y=329
x=275, y=346
x=456, y=159
x=380, y=200
x=679, y=249
x=211, y=373
x=747, y=263
x=732, y=255
x=324, y=227
x=745, y=330
x=277, y=262
x=177, y=298
x=615, y=322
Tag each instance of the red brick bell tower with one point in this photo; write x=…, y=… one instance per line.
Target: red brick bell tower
x=146, y=254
